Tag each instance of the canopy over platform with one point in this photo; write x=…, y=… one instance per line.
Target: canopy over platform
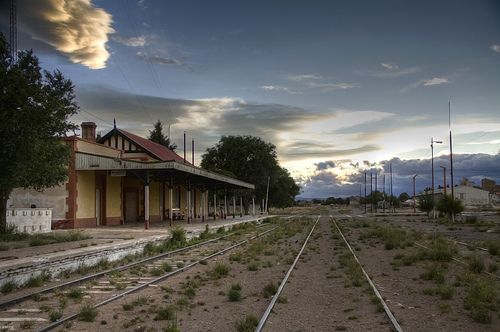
x=172, y=172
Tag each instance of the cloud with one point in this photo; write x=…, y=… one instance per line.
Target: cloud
x=325, y=165
x=75, y=28
x=280, y=89
x=206, y=119
x=428, y=82
x=130, y=41
x=390, y=66
x=495, y=48
x=304, y=77
x=323, y=183
x=303, y=82
x=390, y=70
x=435, y=81
x=160, y=60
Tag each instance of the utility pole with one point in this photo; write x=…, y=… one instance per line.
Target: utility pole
x=365, y=192
x=414, y=203
x=184, y=147
x=383, y=186
x=451, y=153
x=390, y=170
x=267, y=193
x=376, y=191
x=444, y=180
x=371, y=192
x=432, y=166
x=13, y=31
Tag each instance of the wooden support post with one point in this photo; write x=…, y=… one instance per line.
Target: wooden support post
x=234, y=207
x=241, y=206
x=203, y=203
x=253, y=206
x=215, y=204
x=146, y=202
x=188, y=204
x=170, y=205
x=225, y=205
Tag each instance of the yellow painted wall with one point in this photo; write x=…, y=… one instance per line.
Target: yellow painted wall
x=154, y=198
x=113, y=196
x=85, y=199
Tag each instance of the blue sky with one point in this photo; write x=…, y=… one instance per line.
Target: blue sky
x=338, y=81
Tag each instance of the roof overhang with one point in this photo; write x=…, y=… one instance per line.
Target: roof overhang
x=165, y=170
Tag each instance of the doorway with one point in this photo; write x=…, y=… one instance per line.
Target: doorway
x=131, y=205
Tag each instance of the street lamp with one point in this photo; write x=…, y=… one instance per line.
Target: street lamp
x=414, y=205
x=444, y=179
x=432, y=165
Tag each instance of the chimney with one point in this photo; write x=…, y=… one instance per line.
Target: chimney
x=88, y=131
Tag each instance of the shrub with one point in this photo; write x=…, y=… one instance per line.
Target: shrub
x=434, y=272
x=76, y=293
x=440, y=250
x=165, y=313
x=449, y=206
x=166, y=267
x=476, y=264
x=269, y=290
x=54, y=315
x=234, y=293
x=219, y=271
x=178, y=236
x=248, y=324
x=481, y=299
x=8, y=287
x=493, y=247
x=87, y=313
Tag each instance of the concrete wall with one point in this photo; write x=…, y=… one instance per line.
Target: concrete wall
x=85, y=199
x=27, y=220
x=53, y=198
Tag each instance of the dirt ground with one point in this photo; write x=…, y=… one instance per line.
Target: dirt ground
x=325, y=292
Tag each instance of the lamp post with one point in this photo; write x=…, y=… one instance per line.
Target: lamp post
x=414, y=205
x=432, y=166
x=444, y=179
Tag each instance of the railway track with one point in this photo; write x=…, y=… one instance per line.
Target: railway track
x=266, y=316
x=108, y=286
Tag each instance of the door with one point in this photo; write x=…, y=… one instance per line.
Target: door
x=131, y=206
x=98, y=207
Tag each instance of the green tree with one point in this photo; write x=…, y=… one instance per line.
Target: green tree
x=250, y=159
x=156, y=135
x=426, y=203
x=449, y=206
x=404, y=197
x=35, y=107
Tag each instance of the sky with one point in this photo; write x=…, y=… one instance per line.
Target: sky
x=340, y=87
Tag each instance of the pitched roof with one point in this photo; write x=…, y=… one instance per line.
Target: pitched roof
x=156, y=150
x=159, y=151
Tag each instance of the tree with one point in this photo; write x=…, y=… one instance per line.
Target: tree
x=426, y=203
x=35, y=107
x=156, y=135
x=449, y=206
x=404, y=197
x=250, y=159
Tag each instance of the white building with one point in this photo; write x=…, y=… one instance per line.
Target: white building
x=469, y=195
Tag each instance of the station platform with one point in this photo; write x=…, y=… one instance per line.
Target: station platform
x=104, y=242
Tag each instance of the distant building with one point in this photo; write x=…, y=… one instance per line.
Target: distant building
x=470, y=196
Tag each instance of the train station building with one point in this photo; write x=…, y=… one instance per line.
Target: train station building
x=124, y=178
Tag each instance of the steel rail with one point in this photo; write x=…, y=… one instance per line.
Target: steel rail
x=67, y=284
x=388, y=312
x=158, y=279
x=270, y=307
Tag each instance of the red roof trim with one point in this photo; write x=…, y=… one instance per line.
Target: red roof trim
x=159, y=151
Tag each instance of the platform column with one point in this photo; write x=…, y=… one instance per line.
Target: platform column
x=170, y=194
x=234, y=207
x=146, y=202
